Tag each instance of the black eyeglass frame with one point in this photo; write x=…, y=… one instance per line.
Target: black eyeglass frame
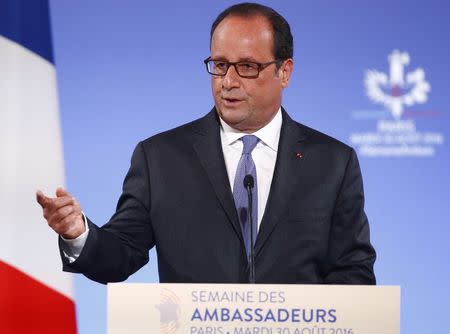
x=260, y=67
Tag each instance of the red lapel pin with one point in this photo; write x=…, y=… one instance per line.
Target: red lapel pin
x=299, y=155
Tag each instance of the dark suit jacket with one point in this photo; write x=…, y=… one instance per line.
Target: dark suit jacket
x=177, y=197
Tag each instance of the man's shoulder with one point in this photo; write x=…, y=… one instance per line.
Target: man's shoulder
x=322, y=150
x=320, y=140
x=183, y=134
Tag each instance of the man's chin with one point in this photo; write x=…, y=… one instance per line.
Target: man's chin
x=240, y=124
x=232, y=117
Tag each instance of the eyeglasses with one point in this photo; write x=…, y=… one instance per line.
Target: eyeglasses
x=245, y=69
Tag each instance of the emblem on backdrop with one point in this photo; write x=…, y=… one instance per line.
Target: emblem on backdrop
x=397, y=91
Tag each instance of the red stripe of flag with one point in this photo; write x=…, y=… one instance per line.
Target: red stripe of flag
x=28, y=306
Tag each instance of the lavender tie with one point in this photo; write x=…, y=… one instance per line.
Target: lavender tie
x=245, y=167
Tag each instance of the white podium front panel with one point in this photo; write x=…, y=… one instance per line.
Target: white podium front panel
x=252, y=309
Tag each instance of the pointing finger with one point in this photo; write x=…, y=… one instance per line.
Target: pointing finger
x=52, y=204
x=42, y=199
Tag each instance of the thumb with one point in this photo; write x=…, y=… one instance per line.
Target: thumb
x=42, y=199
x=60, y=192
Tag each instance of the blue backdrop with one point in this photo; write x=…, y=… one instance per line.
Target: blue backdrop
x=130, y=70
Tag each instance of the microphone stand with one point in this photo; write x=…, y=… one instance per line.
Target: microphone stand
x=249, y=183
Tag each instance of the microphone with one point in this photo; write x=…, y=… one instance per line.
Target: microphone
x=249, y=183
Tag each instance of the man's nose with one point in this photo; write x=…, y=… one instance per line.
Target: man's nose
x=231, y=79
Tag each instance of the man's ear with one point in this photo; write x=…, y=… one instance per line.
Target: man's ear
x=286, y=70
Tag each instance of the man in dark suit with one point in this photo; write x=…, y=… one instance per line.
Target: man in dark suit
x=183, y=192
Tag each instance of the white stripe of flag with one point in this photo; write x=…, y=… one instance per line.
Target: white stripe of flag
x=31, y=279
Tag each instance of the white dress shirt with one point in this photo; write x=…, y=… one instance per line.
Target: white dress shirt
x=264, y=155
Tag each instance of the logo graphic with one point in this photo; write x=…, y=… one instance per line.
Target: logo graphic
x=376, y=83
x=396, y=131
x=170, y=312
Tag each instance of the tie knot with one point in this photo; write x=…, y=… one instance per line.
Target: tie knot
x=250, y=142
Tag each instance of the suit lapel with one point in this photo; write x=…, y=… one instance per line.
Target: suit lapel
x=291, y=151
x=208, y=147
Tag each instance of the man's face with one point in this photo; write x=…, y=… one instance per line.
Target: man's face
x=247, y=104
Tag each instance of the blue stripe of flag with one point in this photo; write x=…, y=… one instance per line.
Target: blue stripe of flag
x=27, y=22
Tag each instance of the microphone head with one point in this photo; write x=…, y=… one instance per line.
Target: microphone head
x=249, y=182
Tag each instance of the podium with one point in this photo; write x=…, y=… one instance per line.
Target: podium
x=252, y=309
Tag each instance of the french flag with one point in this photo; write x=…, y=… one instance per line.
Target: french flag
x=35, y=295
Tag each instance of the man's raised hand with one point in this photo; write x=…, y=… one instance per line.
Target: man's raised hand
x=63, y=213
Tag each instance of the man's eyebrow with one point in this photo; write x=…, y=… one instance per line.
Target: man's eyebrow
x=250, y=59
x=242, y=59
x=219, y=58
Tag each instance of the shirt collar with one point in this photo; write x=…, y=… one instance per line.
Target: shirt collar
x=269, y=135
